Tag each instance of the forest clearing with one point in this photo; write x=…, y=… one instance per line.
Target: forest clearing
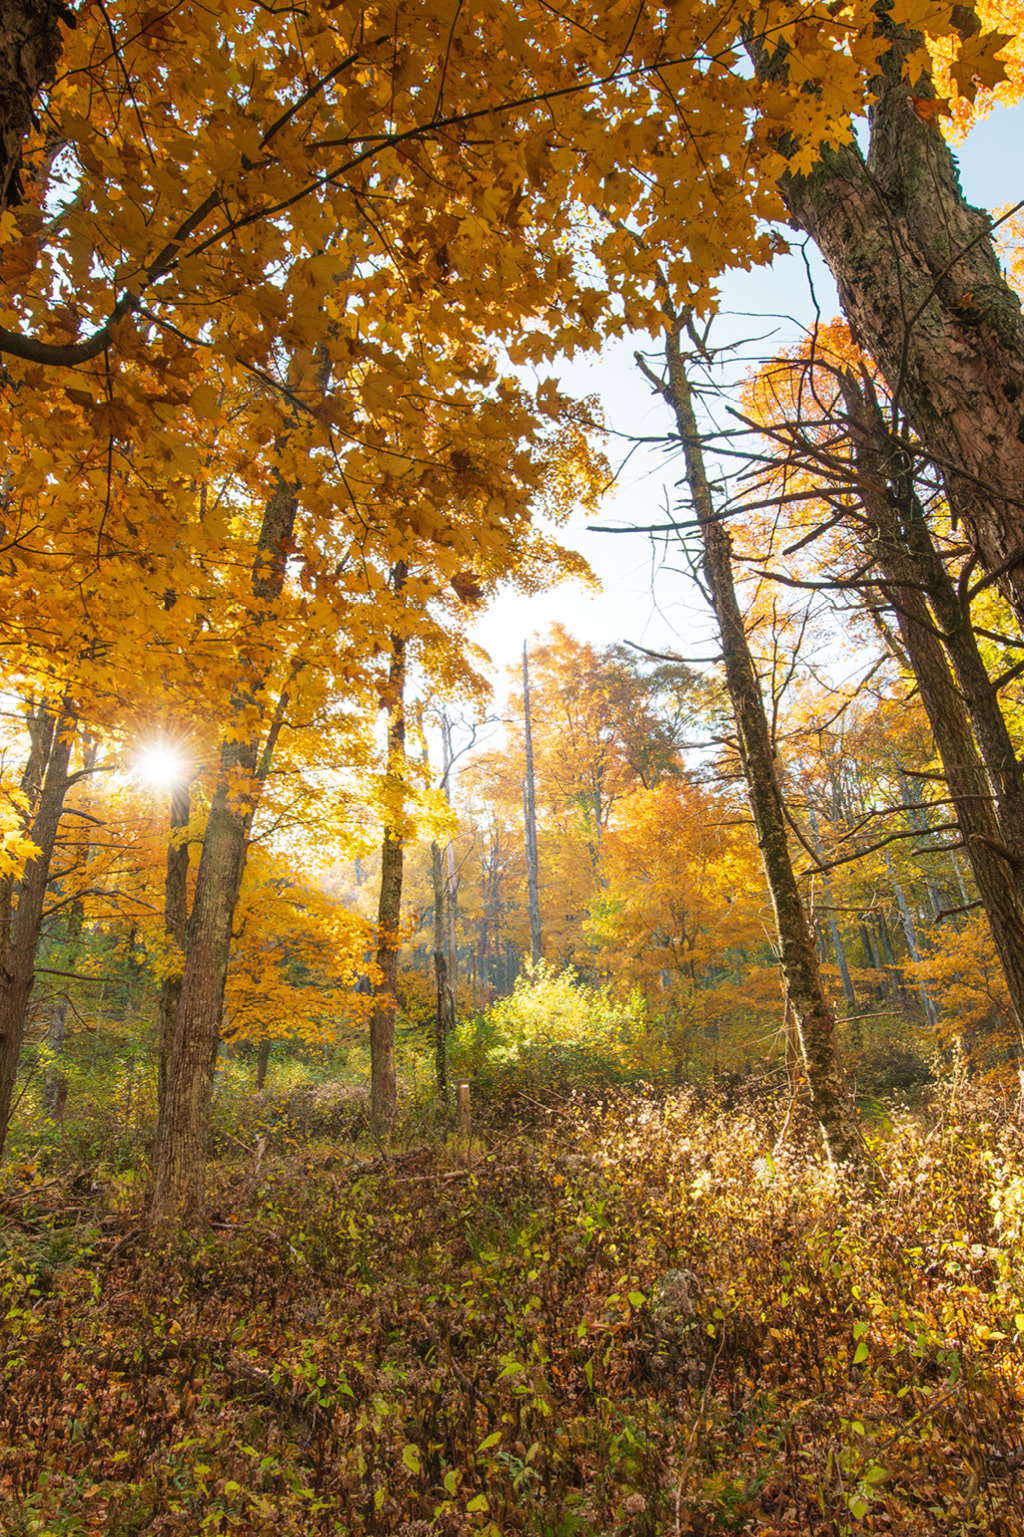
x=591, y=1100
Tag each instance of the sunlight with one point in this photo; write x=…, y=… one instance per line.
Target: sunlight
x=160, y=765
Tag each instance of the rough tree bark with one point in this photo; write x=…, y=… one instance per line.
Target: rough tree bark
x=980, y=695
x=922, y=288
x=179, y=1171
x=815, y=1023
x=30, y=49
x=17, y=972
x=55, y=1086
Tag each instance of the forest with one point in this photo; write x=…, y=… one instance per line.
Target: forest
x=587, y=1102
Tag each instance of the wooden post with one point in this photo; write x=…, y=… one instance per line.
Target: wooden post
x=463, y=1117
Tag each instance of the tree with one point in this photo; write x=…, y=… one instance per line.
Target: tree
x=46, y=780
x=682, y=917
x=917, y=269
x=804, y=993
x=383, y=1091
x=833, y=439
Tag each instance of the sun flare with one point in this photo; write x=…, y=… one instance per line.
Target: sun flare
x=160, y=766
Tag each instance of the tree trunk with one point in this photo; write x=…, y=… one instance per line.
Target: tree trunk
x=530, y=820
x=451, y=891
x=55, y=1087
x=816, y=1026
x=910, y=934
x=444, y=1011
x=980, y=696
x=873, y=958
x=179, y=1174
x=922, y=288
x=837, y=942
x=897, y=987
x=39, y=725
x=18, y=968
x=180, y=1167
x=919, y=819
x=383, y=1088
x=968, y=783
x=175, y=929
x=262, y=1063
x=30, y=49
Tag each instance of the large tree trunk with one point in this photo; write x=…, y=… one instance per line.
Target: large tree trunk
x=176, y=931
x=922, y=288
x=55, y=1086
x=383, y=1087
x=179, y=1173
x=815, y=1023
x=30, y=49
x=18, y=969
x=980, y=696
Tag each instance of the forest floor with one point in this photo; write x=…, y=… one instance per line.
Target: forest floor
x=634, y=1318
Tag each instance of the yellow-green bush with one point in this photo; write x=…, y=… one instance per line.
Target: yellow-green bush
x=556, y=1033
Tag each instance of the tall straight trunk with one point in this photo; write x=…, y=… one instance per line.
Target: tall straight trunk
x=444, y=938
x=958, y=877
x=383, y=1087
x=952, y=616
x=451, y=890
x=922, y=288
x=176, y=931
x=896, y=983
x=968, y=784
x=17, y=972
x=919, y=819
x=530, y=821
x=441, y=1013
x=55, y=1087
x=840, y=954
x=837, y=942
x=910, y=934
x=179, y=1174
x=815, y=1023
x=873, y=958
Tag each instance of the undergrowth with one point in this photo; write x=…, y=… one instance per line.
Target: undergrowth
x=644, y=1318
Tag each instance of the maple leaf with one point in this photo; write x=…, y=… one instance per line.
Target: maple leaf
x=977, y=62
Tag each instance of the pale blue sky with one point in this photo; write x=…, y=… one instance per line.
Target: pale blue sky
x=665, y=614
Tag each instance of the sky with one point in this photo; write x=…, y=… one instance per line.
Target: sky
x=660, y=609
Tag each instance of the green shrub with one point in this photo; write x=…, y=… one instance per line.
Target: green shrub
x=554, y=1033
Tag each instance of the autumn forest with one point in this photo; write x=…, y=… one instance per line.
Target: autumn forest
x=587, y=1098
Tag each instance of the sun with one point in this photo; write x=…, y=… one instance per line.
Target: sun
x=160, y=765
